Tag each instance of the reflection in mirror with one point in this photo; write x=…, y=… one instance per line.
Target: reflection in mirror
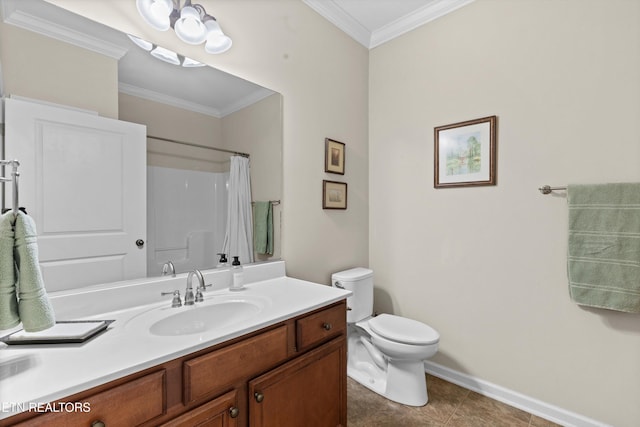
x=196, y=118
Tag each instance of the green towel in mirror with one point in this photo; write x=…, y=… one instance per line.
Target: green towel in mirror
x=263, y=227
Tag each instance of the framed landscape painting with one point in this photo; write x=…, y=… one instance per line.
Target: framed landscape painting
x=465, y=153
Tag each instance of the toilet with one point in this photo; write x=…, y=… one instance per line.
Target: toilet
x=385, y=353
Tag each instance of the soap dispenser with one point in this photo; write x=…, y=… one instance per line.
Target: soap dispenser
x=237, y=274
x=222, y=263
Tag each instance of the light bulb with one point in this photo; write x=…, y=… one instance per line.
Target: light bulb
x=218, y=44
x=166, y=55
x=189, y=63
x=189, y=28
x=217, y=41
x=141, y=43
x=156, y=13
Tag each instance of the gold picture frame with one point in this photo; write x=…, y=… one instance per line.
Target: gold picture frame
x=334, y=156
x=465, y=153
x=334, y=195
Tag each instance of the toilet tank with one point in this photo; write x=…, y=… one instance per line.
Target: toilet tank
x=359, y=281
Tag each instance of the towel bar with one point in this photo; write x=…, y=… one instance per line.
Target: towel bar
x=14, y=178
x=545, y=189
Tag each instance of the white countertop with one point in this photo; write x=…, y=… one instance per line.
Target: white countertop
x=38, y=374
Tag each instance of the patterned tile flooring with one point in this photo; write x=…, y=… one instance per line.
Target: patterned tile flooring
x=449, y=405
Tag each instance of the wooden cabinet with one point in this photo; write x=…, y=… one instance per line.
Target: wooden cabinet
x=220, y=412
x=309, y=391
x=320, y=326
x=218, y=370
x=289, y=374
x=130, y=404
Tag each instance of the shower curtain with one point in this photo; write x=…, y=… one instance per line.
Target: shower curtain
x=238, y=240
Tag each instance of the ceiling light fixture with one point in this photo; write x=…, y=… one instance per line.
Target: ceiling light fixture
x=190, y=21
x=165, y=55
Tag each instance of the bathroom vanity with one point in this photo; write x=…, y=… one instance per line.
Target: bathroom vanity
x=284, y=365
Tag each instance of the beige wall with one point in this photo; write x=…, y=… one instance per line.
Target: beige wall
x=486, y=266
x=322, y=74
x=166, y=121
x=257, y=130
x=39, y=67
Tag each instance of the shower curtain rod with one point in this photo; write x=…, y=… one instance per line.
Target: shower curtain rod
x=191, y=144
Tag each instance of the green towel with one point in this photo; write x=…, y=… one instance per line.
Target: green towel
x=8, y=301
x=263, y=227
x=34, y=307
x=604, y=246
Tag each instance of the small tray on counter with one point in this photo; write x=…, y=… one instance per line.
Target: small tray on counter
x=63, y=332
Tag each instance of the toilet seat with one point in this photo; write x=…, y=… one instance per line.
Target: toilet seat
x=403, y=330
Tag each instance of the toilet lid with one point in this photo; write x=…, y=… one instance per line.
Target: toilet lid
x=401, y=329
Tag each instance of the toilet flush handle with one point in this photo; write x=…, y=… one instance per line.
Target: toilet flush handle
x=339, y=285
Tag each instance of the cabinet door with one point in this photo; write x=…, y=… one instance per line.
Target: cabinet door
x=308, y=391
x=219, y=412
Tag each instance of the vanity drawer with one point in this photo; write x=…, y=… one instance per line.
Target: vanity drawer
x=220, y=369
x=130, y=404
x=321, y=326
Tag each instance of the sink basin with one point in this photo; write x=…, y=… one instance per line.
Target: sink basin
x=217, y=312
x=199, y=319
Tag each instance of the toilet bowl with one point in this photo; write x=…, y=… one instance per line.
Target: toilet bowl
x=385, y=353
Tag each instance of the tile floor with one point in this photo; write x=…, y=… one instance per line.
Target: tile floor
x=449, y=405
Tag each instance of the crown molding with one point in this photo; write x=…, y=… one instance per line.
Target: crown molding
x=330, y=10
x=248, y=100
x=338, y=17
x=161, y=98
x=11, y=14
x=168, y=100
x=412, y=21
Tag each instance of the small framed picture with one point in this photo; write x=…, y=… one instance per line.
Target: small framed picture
x=334, y=195
x=333, y=156
x=465, y=153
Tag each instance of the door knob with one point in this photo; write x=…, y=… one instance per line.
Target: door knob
x=233, y=412
x=259, y=396
x=140, y=243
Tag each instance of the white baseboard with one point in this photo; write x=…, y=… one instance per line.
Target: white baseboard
x=512, y=398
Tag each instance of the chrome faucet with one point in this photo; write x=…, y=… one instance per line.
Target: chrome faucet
x=189, y=299
x=167, y=268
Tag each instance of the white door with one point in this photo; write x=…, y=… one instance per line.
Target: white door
x=83, y=180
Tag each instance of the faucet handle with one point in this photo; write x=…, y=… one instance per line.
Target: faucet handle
x=199, y=295
x=175, y=302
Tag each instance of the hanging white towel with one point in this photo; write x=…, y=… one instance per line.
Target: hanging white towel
x=8, y=299
x=36, y=312
x=238, y=239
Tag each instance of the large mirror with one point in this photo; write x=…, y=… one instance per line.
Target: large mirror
x=196, y=118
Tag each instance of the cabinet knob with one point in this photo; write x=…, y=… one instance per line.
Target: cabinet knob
x=98, y=423
x=326, y=326
x=233, y=412
x=259, y=396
